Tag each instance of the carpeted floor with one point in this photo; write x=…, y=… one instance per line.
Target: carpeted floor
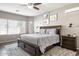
x=13, y=50
x=58, y=51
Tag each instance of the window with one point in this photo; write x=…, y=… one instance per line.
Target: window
x=12, y=27
x=22, y=27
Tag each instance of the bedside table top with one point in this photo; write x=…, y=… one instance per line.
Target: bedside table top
x=68, y=36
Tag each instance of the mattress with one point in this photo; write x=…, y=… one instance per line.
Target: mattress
x=42, y=40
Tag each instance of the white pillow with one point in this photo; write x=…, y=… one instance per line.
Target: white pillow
x=51, y=31
x=42, y=31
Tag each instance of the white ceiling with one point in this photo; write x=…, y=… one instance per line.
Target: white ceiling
x=23, y=10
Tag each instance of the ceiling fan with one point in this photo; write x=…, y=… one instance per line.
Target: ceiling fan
x=33, y=5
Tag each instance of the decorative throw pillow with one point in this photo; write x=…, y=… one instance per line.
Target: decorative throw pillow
x=42, y=31
x=51, y=31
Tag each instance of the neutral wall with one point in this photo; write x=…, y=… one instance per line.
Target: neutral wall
x=31, y=25
x=64, y=19
x=6, y=15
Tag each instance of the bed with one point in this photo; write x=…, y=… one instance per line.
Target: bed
x=38, y=44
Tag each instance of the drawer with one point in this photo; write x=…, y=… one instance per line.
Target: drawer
x=68, y=40
x=68, y=43
x=30, y=49
x=21, y=44
x=69, y=46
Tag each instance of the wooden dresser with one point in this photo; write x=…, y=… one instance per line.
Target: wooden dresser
x=69, y=42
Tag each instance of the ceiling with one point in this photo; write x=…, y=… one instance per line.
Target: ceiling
x=24, y=10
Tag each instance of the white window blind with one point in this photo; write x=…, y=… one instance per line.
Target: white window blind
x=12, y=27
x=3, y=26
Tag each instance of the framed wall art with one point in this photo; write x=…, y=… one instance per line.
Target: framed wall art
x=53, y=17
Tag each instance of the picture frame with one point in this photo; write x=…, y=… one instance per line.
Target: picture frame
x=53, y=17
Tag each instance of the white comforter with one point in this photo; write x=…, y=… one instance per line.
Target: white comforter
x=42, y=40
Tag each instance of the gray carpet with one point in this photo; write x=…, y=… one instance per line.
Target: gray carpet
x=58, y=51
x=13, y=50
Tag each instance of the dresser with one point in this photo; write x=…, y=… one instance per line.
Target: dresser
x=69, y=42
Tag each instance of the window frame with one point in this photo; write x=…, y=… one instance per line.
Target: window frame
x=7, y=27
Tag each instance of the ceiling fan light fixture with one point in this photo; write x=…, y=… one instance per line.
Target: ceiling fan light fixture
x=30, y=6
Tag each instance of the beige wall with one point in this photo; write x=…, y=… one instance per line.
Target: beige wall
x=63, y=19
x=6, y=15
x=31, y=25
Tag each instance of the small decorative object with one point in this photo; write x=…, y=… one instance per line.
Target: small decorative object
x=69, y=35
x=46, y=18
x=70, y=25
x=74, y=35
x=37, y=27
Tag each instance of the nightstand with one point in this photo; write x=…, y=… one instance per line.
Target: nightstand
x=69, y=42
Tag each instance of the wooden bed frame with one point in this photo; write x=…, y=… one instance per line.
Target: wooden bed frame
x=34, y=49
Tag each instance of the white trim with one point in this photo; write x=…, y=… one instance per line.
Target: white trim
x=72, y=9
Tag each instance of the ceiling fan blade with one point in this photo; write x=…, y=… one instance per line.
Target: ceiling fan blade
x=37, y=3
x=36, y=8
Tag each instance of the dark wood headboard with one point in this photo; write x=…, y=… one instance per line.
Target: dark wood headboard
x=47, y=27
x=57, y=27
